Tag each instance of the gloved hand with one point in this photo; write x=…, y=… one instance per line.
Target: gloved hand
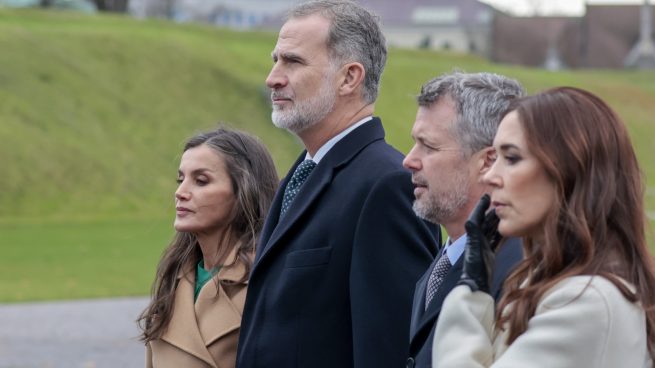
x=482, y=237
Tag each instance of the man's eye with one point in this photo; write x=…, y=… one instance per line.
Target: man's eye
x=431, y=148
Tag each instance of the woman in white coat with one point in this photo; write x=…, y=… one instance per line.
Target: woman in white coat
x=226, y=182
x=566, y=179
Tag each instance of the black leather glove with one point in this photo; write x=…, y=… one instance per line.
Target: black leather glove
x=482, y=237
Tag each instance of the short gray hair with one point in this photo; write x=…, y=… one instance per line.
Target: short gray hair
x=354, y=35
x=481, y=100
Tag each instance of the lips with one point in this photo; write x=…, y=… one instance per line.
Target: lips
x=419, y=187
x=278, y=97
x=499, y=206
x=419, y=183
x=181, y=211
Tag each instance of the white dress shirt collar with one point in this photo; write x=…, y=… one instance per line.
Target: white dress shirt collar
x=329, y=144
x=455, y=249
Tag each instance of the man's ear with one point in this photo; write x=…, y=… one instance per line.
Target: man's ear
x=486, y=159
x=352, y=78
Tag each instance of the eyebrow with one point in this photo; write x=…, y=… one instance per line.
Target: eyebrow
x=196, y=171
x=423, y=138
x=287, y=56
x=507, y=146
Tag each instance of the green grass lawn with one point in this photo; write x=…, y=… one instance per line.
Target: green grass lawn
x=94, y=110
x=80, y=259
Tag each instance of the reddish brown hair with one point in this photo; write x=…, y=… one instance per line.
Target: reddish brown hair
x=598, y=228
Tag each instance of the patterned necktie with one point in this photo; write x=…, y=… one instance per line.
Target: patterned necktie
x=293, y=186
x=436, y=277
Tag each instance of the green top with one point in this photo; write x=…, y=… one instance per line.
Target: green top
x=202, y=276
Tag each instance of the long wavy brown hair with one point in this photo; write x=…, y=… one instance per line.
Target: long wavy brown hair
x=254, y=180
x=599, y=226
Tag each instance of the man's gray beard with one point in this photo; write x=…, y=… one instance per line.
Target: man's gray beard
x=443, y=209
x=302, y=115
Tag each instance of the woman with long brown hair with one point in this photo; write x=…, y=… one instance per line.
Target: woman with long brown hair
x=566, y=180
x=226, y=182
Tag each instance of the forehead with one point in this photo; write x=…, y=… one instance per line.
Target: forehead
x=303, y=34
x=510, y=131
x=201, y=157
x=437, y=119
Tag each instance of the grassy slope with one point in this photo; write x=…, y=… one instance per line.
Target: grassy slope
x=94, y=109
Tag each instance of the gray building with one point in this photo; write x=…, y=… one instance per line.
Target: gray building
x=458, y=25
x=602, y=38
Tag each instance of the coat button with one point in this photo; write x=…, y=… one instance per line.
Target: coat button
x=410, y=362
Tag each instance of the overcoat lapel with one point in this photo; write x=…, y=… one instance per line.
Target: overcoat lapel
x=275, y=227
x=315, y=184
x=418, y=307
x=274, y=213
x=448, y=284
x=183, y=330
x=217, y=316
x=197, y=325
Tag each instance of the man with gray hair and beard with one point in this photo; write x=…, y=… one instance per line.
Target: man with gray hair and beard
x=341, y=249
x=456, y=122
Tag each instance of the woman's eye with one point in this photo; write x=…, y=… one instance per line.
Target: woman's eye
x=179, y=180
x=201, y=182
x=512, y=159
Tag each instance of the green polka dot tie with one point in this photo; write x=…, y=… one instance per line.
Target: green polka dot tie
x=293, y=186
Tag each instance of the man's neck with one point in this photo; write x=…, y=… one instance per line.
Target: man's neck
x=454, y=231
x=334, y=123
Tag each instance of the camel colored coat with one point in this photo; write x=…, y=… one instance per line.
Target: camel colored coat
x=205, y=333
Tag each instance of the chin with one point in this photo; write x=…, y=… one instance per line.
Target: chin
x=183, y=228
x=420, y=210
x=506, y=230
x=516, y=231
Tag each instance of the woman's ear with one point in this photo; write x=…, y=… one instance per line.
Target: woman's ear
x=352, y=78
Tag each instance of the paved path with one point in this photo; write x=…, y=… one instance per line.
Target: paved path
x=71, y=334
